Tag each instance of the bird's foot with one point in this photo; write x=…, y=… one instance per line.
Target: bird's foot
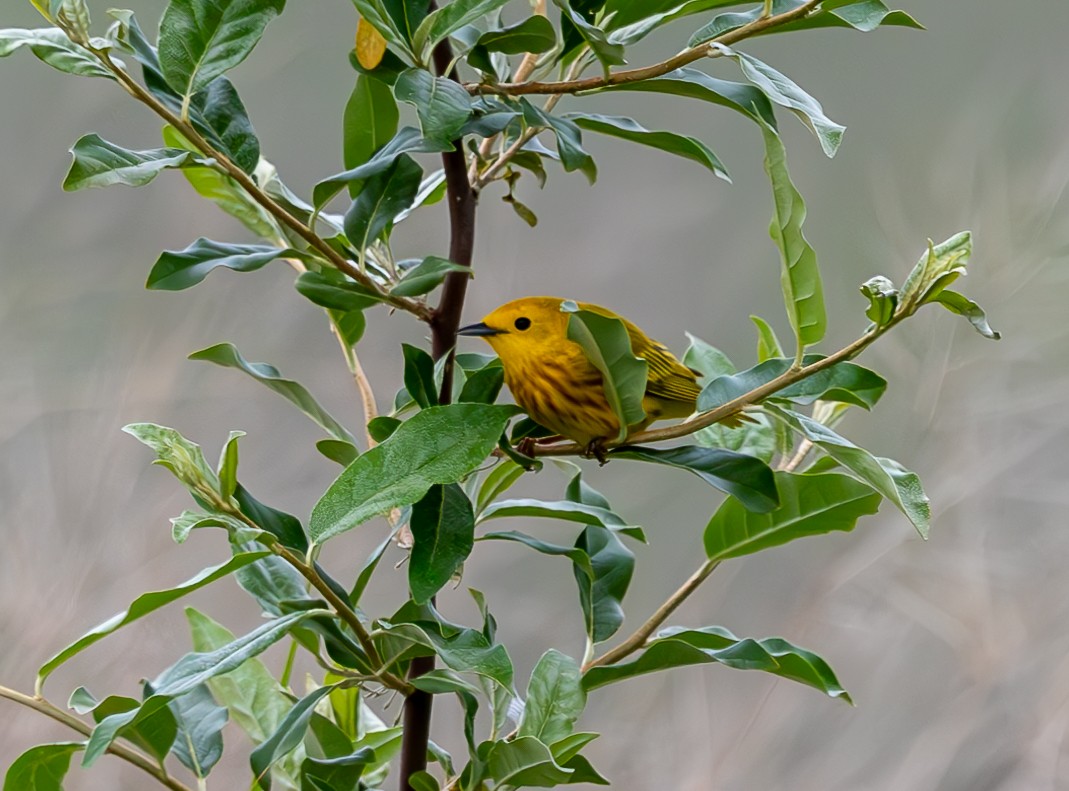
x=596, y=449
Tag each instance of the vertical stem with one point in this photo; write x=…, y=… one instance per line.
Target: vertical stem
x=444, y=323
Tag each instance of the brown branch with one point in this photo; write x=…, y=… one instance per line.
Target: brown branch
x=142, y=762
x=732, y=407
x=444, y=322
x=224, y=165
x=708, y=49
x=642, y=634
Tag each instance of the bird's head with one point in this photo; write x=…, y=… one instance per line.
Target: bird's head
x=522, y=327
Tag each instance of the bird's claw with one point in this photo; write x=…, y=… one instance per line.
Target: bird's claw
x=596, y=449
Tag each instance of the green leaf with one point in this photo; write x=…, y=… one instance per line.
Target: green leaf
x=886, y=476
x=176, y=270
x=382, y=197
x=694, y=84
x=426, y=276
x=274, y=584
x=463, y=650
x=534, y=34
x=52, y=46
x=524, y=761
x=601, y=597
x=407, y=141
x=755, y=437
x=286, y=527
x=197, y=668
x=338, y=450
x=41, y=768
x=628, y=129
x=382, y=427
x=497, y=482
x=800, y=275
x=370, y=122
x=182, y=457
x=443, y=106
x=199, y=742
x=188, y=521
x=152, y=724
x=627, y=12
x=227, y=356
x=143, y=605
x=443, y=534
x=607, y=52
x=228, y=465
x=422, y=781
x=483, y=386
x=555, y=698
x=341, y=773
x=677, y=647
x=845, y=382
x=286, y=737
x=707, y=361
x=98, y=163
x=963, y=306
x=607, y=345
x=216, y=111
x=883, y=299
x=250, y=693
x=202, y=39
x=938, y=268
x=450, y=18
x=419, y=376
x=560, y=509
x=437, y=445
x=439, y=682
x=336, y=293
x=578, y=557
x=863, y=15
x=747, y=478
x=786, y=93
x=810, y=505
x=569, y=140
x=222, y=190
x=768, y=345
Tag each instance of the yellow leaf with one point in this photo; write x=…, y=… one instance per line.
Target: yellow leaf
x=370, y=45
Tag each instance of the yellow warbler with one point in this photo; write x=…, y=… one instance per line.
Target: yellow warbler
x=555, y=383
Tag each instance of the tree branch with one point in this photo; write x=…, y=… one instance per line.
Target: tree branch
x=224, y=165
x=142, y=762
x=642, y=634
x=708, y=49
x=732, y=407
x=444, y=323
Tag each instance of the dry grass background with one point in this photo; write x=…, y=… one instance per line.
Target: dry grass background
x=955, y=649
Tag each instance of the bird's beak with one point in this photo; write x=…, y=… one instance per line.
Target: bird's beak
x=479, y=329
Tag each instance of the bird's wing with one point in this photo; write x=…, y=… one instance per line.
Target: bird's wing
x=668, y=377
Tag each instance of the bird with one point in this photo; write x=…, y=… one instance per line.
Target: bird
x=555, y=383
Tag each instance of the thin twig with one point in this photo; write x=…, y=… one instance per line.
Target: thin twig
x=346, y=613
x=527, y=134
x=708, y=49
x=223, y=164
x=804, y=447
x=141, y=761
x=642, y=634
x=523, y=71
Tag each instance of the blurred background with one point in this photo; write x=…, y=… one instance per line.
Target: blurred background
x=954, y=649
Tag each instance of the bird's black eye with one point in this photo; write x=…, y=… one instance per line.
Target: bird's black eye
x=522, y=323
